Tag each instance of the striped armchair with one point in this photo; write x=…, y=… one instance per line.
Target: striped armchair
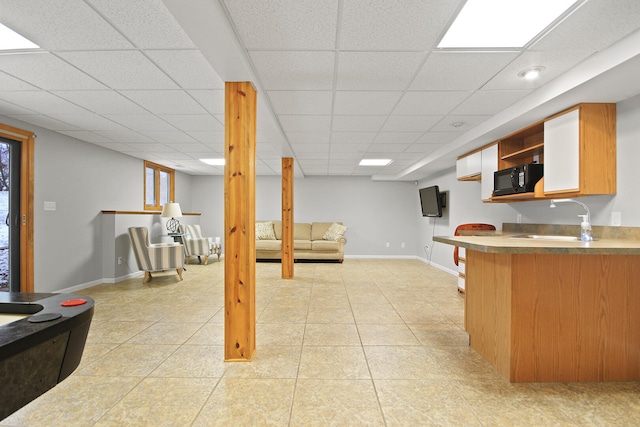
x=155, y=257
x=195, y=244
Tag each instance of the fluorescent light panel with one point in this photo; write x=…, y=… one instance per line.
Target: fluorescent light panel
x=213, y=162
x=375, y=162
x=502, y=23
x=10, y=40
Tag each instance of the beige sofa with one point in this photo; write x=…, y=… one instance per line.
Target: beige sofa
x=308, y=241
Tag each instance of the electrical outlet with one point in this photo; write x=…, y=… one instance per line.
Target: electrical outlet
x=616, y=219
x=402, y=245
x=519, y=218
x=387, y=244
x=120, y=260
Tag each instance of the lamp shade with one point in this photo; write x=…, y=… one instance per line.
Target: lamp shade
x=171, y=210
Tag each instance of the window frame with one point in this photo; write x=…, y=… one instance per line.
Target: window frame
x=157, y=169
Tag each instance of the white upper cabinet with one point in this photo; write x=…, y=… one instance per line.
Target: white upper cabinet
x=489, y=166
x=468, y=168
x=562, y=153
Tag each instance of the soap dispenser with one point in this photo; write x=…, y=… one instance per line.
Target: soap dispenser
x=585, y=229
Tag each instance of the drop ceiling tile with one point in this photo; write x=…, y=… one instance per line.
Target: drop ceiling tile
x=311, y=148
x=147, y=23
x=8, y=108
x=101, y=101
x=308, y=137
x=384, y=25
x=87, y=136
x=42, y=102
x=365, y=103
x=305, y=123
x=430, y=103
x=165, y=101
x=188, y=68
x=59, y=74
x=285, y=24
x=313, y=155
x=351, y=155
x=211, y=100
x=467, y=122
x=301, y=102
x=594, y=26
x=140, y=122
x=438, y=137
x=193, y=122
x=88, y=121
x=8, y=82
x=410, y=123
x=489, y=102
x=387, y=148
x=397, y=137
x=208, y=137
x=377, y=70
x=338, y=138
x=155, y=150
x=422, y=149
x=71, y=25
x=169, y=137
x=44, y=121
x=450, y=70
x=554, y=62
x=358, y=123
x=294, y=70
x=120, y=69
x=124, y=136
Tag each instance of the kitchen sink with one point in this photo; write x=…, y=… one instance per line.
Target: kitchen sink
x=557, y=238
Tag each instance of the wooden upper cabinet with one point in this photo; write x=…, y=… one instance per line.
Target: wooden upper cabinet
x=468, y=167
x=580, y=151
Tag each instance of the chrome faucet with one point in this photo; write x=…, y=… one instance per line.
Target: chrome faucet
x=585, y=225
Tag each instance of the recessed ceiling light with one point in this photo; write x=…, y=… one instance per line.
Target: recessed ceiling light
x=375, y=162
x=213, y=162
x=531, y=73
x=501, y=23
x=10, y=40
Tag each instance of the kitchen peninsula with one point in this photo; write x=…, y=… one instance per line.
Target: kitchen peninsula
x=554, y=310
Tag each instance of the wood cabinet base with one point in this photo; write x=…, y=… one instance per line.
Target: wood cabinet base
x=555, y=318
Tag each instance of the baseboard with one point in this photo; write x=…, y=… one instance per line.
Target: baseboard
x=99, y=282
x=380, y=256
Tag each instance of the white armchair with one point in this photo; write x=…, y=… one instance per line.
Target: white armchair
x=196, y=245
x=155, y=257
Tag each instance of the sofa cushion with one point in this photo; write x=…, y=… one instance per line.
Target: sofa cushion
x=269, y=245
x=319, y=228
x=325, y=245
x=264, y=231
x=334, y=232
x=302, y=245
x=301, y=231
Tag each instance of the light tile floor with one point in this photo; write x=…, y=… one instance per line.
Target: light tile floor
x=367, y=342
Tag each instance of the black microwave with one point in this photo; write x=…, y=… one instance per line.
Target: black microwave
x=516, y=179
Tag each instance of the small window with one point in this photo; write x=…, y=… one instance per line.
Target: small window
x=159, y=186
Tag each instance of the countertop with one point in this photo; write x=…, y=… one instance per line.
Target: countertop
x=609, y=240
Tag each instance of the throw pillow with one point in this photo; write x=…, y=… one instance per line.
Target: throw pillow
x=334, y=232
x=264, y=231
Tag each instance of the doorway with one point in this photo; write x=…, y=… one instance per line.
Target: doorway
x=16, y=209
x=10, y=211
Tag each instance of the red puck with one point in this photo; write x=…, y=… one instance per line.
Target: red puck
x=73, y=302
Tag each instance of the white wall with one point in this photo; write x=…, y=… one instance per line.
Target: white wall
x=83, y=179
x=374, y=212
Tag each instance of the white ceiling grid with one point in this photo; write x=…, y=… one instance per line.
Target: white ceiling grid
x=344, y=79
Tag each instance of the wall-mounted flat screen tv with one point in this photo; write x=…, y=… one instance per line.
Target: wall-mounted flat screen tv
x=431, y=201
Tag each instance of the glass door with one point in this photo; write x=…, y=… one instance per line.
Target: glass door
x=9, y=215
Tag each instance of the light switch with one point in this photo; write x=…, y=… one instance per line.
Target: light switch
x=49, y=206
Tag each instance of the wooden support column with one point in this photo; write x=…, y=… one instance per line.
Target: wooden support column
x=239, y=222
x=287, y=218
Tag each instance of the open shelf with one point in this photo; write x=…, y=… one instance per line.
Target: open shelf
x=524, y=151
